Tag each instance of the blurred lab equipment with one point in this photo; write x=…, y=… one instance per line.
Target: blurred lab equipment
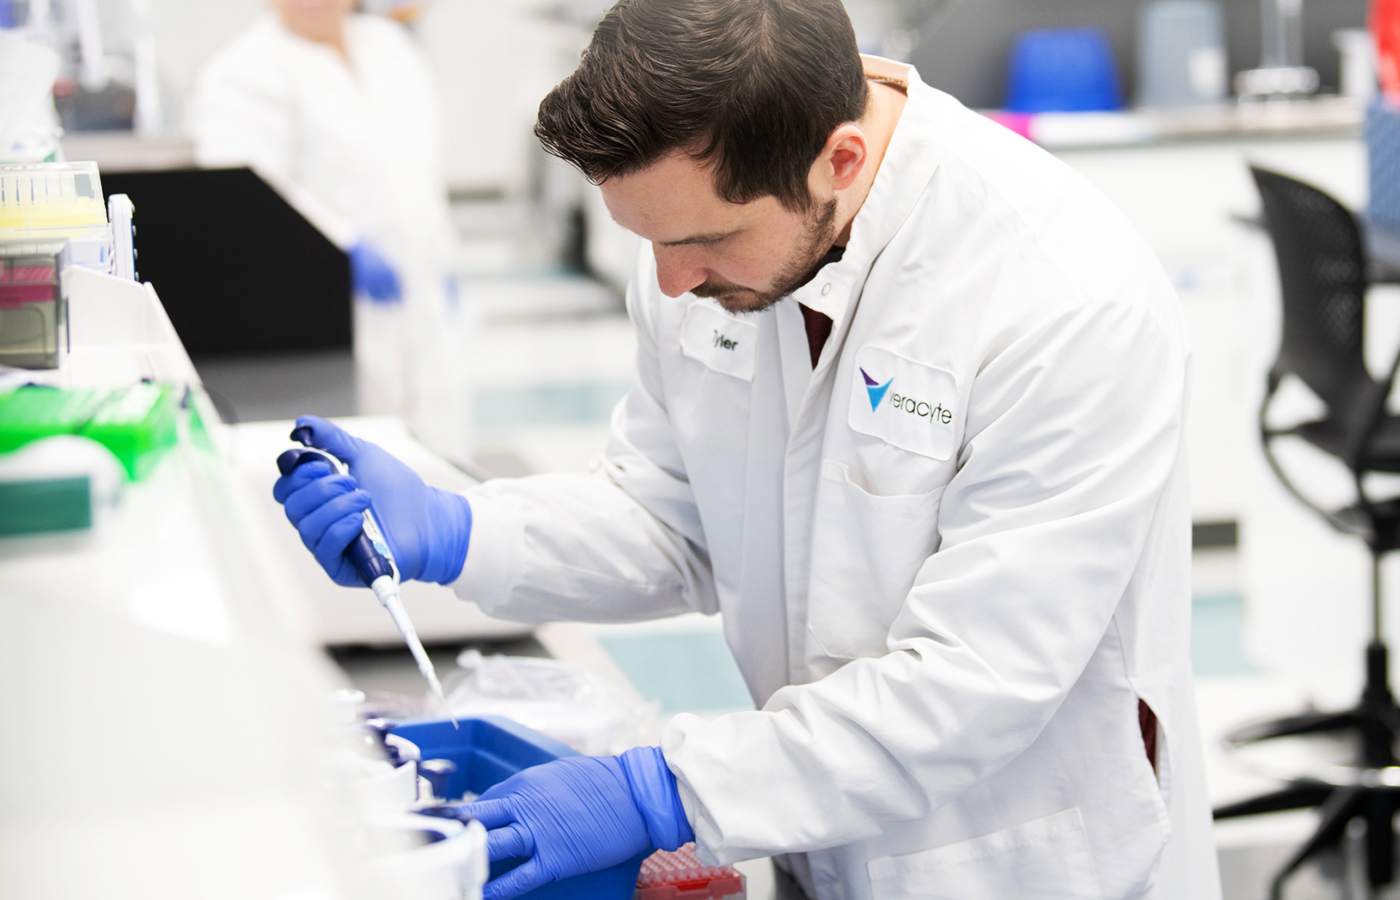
x=1383, y=129
x=137, y=423
x=59, y=485
x=51, y=201
x=33, y=324
x=404, y=11
x=1382, y=132
x=892, y=28
x=1356, y=74
x=28, y=121
x=420, y=856
x=1063, y=70
x=1322, y=271
x=108, y=77
x=1181, y=53
x=1384, y=23
x=1281, y=72
x=563, y=700
x=358, y=137
x=51, y=218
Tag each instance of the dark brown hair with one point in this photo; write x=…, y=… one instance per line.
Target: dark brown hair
x=754, y=87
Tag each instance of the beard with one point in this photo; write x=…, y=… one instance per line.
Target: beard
x=796, y=271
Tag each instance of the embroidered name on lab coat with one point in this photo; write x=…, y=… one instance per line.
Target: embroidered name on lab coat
x=904, y=403
x=722, y=342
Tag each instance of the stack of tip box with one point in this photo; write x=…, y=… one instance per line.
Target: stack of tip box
x=52, y=215
x=680, y=876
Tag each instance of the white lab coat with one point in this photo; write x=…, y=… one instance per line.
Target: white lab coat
x=946, y=594
x=357, y=148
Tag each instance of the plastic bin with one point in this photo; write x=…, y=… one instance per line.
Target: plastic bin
x=1063, y=70
x=487, y=751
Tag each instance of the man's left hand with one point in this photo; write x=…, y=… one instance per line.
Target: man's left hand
x=580, y=814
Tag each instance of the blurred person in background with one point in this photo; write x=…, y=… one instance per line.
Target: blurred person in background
x=339, y=111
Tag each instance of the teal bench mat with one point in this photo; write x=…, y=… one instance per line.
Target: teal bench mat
x=693, y=671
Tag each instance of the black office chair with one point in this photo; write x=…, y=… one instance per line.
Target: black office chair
x=1322, y=271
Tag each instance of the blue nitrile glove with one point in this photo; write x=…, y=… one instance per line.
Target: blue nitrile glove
x=373, y=275
x=428, y=529
x=579, y=814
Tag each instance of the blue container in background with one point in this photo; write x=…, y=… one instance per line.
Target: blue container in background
x=1383, y=161
x=1063, y=70
x=487, y=751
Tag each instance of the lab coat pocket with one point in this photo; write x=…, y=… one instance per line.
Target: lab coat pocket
x=866, y=550
x=1044, y=859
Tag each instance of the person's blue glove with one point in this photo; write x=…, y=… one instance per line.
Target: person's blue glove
x=579, y=814
x=428, y=529
x=373, y=275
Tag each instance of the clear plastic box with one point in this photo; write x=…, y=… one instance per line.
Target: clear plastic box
x=57, y=201
x=33, y=312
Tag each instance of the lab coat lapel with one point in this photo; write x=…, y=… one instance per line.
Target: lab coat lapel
x=909, y=163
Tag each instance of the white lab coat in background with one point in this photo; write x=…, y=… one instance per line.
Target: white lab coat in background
x=357, y=147
x=948, y=584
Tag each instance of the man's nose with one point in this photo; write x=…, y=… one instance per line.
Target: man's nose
x=678, y=271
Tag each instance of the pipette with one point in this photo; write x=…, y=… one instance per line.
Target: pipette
x=374, y=562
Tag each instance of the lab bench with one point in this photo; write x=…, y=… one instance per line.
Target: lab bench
x=165, y=689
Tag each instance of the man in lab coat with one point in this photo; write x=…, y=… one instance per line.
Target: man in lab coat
x=909, y=412
x=339, y=112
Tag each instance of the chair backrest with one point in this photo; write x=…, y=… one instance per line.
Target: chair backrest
x=1322, y=274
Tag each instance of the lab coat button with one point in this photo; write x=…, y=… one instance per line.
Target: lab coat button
x=826, y=289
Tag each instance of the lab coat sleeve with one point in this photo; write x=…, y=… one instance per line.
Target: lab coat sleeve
x=244, y=113
x=621, y=543
x=1073, y=431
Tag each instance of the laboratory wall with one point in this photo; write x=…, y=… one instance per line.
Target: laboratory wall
x=494, y=63
x=187, y=34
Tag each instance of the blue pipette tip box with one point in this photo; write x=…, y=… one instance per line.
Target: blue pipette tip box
x=487, y=751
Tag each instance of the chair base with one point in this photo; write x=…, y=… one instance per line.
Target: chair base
x=1338, y=806
x=1375, y=721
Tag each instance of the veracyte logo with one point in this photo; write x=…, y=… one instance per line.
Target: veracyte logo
x=934, y=412
x=906, y=404
x=876, y=389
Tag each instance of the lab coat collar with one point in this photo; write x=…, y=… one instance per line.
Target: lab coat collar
x=910, y=160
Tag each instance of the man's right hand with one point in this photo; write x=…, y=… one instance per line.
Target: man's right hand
x=428, y=529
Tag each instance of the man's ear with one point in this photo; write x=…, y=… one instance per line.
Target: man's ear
x=843, y=157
